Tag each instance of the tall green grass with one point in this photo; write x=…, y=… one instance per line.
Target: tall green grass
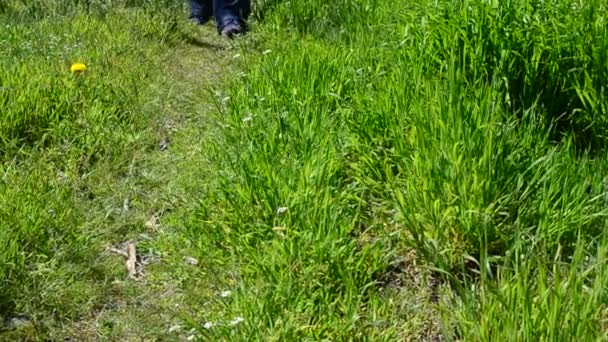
x=470, y=131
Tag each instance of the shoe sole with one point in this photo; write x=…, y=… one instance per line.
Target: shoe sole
x=231, y=31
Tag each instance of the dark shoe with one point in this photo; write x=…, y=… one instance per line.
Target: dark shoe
x=231, y=28
x=201, y=11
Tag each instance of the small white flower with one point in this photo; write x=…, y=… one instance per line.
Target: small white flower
x=208, y=325
x=191, y=261
x=248, y=118
x=236, y=321
x=225, y=294
x=281, y=210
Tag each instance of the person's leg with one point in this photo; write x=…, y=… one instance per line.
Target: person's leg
x=201, y=11
x=229, y=16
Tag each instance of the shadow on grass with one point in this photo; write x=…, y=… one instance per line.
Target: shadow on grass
x=202, y=44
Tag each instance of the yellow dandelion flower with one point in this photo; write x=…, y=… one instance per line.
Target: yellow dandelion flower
x=78, y=67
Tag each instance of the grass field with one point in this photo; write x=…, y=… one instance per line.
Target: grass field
x=350, y=170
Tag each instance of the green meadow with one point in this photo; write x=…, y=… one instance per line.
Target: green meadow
x=353, y=170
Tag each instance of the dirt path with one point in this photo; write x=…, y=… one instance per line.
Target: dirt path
x=173, y=287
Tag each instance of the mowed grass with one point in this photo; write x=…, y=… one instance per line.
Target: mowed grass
x=373, y=171
x=75, y=156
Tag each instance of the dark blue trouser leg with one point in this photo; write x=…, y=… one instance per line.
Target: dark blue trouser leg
x=231, y=10
x=225, y=11
x=201, y=10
